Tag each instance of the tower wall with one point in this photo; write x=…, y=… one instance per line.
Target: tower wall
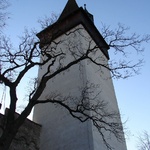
x=102, y=77
x=59, y=129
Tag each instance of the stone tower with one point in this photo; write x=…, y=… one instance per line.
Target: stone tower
x=73, y=33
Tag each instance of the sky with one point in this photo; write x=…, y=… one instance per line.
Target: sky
x=133, y=94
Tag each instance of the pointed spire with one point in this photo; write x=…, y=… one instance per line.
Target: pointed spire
x=70, y=7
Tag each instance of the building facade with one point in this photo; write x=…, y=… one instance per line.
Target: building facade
x=27, y=137
x=73, y=34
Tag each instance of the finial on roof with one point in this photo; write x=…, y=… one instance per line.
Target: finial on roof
x=89, y=15
x=85, y=6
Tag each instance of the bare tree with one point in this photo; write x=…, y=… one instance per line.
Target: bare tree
x=123, y=44
x=16, y=63
x=47, y=21
x=144, y=141
x=3, y=14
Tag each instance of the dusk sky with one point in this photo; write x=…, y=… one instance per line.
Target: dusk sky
x=133, y=94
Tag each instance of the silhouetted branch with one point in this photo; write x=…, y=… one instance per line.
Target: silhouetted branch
x=89, y=107
x=47, y=21
x=119, y=40
x=144, y=141
x=57, y=56
x=4, y=4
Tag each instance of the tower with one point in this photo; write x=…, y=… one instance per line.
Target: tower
x=73, y=34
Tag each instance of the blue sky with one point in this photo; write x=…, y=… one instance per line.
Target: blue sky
x=133, y=94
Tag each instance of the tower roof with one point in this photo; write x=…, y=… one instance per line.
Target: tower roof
x=70, y=7
x=70, y=17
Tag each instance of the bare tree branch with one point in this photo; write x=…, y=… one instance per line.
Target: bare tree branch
x=99, y=111
x=144, y=141
x=47, y=21
x=119, y=40
x=4, y=4
x=58, y=56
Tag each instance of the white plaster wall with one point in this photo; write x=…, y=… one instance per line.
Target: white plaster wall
x=59, y=130
x=108, y=95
